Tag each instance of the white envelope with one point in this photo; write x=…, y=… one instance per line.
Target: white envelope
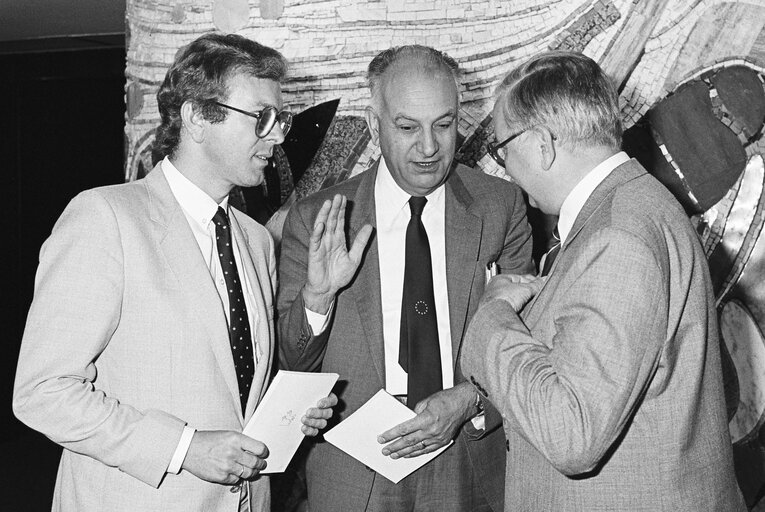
x=357, y=436
x=276, y=420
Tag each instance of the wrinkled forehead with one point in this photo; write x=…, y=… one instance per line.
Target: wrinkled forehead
x=410, y=85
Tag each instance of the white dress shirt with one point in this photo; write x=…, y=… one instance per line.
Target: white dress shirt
x=199, y=209
x=392, y=217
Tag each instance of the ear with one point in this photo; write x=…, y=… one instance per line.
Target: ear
x=373, y=122
x=194, y=122
x=546, y=142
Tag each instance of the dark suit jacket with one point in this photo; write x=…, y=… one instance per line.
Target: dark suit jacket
x=612, y=391
x=485, y=221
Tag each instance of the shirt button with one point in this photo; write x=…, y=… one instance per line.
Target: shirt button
x=234, y=488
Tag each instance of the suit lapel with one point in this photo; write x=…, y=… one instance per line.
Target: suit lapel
x=366, y=290
x=261, y=330
x=463, y=239
x=620, y=175
x=182, y=254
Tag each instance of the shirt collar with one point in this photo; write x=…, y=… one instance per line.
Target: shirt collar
x=196, y=203
x=390, y=199
x=575, y=199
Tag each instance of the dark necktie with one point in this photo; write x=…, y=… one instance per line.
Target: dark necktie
x=238, y=326
x=418, y=352
x=551, y=254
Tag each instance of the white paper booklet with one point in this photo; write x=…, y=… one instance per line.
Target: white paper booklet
x=357, y=436
x=276, y=420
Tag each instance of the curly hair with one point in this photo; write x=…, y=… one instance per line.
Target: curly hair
x=200, y=73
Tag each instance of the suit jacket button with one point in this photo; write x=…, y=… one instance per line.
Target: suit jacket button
x=235, y=488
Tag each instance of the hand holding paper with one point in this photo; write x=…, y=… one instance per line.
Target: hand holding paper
x=357, y=436
x=439, y=418
x=285, y=410
x=316, y=418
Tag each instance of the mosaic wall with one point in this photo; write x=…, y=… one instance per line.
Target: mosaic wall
x=690, y=74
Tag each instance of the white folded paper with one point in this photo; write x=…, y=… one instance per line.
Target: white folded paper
x=276, y=420
x=357, y=436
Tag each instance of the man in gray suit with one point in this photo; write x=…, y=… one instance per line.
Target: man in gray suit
x=353, y=325
x=609, y=380
x=150, y=337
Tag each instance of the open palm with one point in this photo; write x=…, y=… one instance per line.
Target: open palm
x=331, y=265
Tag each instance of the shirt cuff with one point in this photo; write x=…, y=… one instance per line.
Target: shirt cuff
x=479, y=421
x=181, y=450
x=317, y=321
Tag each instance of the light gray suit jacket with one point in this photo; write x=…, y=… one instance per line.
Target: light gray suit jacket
x=485, y=221
x=127, y=341
x=612, y=392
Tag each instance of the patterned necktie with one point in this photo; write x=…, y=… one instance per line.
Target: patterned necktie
x=239, y=325
x=551, y=254
x=419, y=353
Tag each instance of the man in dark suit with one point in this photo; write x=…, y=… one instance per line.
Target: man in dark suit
x=351, y=323
x=609, y=380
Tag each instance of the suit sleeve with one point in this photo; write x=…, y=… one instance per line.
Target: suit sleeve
x=572, y=397
x=515, y=258
x=75, y=310
x=516, y=253
x=299, y=349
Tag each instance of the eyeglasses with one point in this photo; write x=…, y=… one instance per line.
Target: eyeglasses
x=267, y=119
x=495, y=146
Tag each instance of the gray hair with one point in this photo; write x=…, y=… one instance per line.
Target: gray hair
x=568, y=93
x=428, y=58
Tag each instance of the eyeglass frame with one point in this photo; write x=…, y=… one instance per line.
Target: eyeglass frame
x=494, y=146
x=285, y=126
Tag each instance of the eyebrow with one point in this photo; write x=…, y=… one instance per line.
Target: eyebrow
x=399, y=117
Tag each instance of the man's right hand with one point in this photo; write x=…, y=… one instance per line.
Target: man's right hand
x=330, y=264
x=512, y=288
x=224, y=456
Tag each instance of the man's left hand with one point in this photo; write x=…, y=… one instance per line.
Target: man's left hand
x=316, y=418
x=439, y=418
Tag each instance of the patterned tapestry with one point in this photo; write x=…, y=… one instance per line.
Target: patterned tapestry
x=691, y=75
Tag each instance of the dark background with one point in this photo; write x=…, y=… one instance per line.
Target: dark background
x=61, y=132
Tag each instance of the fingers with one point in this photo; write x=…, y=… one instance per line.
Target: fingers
x=336, y=211
x=320, y=224
x=359, y=243
x=255, y=447
x=328, y=401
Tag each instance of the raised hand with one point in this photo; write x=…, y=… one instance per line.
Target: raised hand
x=330, y=264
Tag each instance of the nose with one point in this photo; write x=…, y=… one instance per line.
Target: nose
x=276, y=135
x=428, y=143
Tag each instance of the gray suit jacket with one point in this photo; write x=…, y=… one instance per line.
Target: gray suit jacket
x=485, y=221
x=612, y=391
x=127, y=341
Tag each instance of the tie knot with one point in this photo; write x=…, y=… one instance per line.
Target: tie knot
x=220, y=218
x=416, y=205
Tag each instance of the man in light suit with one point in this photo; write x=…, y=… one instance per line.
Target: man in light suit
x=353, y=327
x=128, y=356
x=609, y=380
